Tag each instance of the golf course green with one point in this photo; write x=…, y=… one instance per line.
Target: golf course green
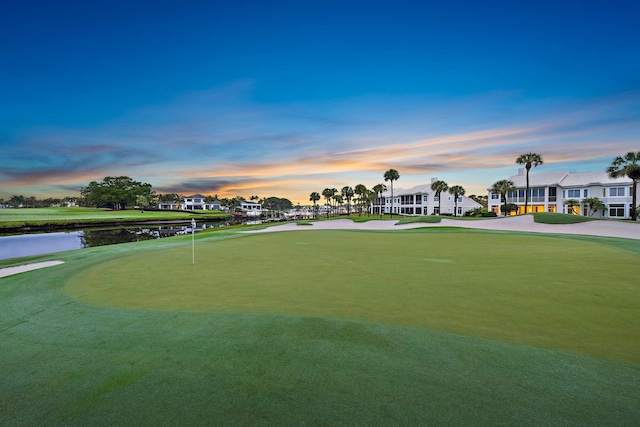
x=414, y=327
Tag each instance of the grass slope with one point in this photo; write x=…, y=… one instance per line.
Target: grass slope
x=67, y=362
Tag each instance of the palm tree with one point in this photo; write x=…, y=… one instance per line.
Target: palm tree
x=338, y=199
x=439, y=187
x=360, y=190
x=378, y=189
x=628, y=166
x=314, y=197
x=570, y=204
x=594, y=204
x=528, y=160
x=347, y=193
x=503, y=187
x=391, y=175
x=328, y=193
x=457, y=191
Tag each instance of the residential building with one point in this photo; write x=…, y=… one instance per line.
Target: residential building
x=549, y=192
x=422, y=200
x=196, y=201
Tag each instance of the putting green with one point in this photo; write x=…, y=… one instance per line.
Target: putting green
x=566, y=294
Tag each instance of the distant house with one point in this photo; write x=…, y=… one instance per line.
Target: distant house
x=422, y=200
x=549, y=192
x=194, y=202
x=251, y=208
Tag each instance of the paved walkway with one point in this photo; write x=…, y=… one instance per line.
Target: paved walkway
x=627, y=230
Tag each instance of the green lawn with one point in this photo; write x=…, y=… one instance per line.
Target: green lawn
x=15, y=218
x=327, y=328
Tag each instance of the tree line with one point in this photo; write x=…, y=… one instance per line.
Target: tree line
x=364, y=198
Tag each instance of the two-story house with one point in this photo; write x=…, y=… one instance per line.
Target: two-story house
x=550, y=191
x=422, y=200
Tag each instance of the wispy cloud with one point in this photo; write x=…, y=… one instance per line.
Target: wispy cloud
x=221, y=141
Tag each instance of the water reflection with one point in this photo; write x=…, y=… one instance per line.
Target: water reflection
x=37, y=244
x=43, y=243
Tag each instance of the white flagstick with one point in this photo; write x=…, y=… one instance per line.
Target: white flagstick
x=193, y=241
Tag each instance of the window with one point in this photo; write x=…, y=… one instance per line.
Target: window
x=616, y=211
x=573, y=193
x=495, y=196
x=586, y=193
x=425, y=198
x=616, y=191
x=537, y=192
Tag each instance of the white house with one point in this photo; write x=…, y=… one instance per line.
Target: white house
x=251, y=208
x=549, y=191
x=422, y=200
x=196, y=201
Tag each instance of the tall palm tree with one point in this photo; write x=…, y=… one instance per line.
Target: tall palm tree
x=314, y=197
x=503, y=187
x=338, y=199
x=347, y=193
x=628, y=166
x=528, y=160
x=457, y=191
x=439, y=187
x=360, y=190
x=378, y=189
x=328, y=193
x=391, y=175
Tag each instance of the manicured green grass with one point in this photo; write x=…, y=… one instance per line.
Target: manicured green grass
x=429, y=219
x=14, y=218
x=417, y=327
x=560, y=218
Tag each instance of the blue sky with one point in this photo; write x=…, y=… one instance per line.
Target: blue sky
x=283, y=98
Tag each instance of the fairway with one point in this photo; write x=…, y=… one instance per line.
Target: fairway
x=533, y=290
x=327, y=328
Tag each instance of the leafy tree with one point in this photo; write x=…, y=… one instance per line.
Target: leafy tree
x=347, y=193
x=483, y=200
x=439, y=187
x=277, y=203
x=117, y=192
x=16, y=201
x=314, y=197
x=503, y=187
x=528, y=160
x=594, y=204
x=507, y=208
x=391, y=175
x=456, y=191
x=628, y=166
x=378, y=189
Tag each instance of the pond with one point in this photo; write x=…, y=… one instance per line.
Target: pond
x=44, y=243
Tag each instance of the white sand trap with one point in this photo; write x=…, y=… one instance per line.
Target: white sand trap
x=27, y=267
x=626, y=230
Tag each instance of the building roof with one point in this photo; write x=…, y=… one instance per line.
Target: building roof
x=592, y=178
x=565, y=179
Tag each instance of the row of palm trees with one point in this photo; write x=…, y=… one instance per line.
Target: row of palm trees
x=621, y=166
x=366, y=197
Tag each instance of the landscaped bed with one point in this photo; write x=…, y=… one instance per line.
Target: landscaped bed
x=428, y=326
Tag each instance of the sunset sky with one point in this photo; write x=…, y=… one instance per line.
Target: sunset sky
x=283, y=98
